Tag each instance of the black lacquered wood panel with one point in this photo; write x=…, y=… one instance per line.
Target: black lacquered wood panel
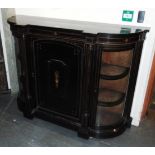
x=58, y=73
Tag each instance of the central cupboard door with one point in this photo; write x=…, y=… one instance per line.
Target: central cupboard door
x=59, y=76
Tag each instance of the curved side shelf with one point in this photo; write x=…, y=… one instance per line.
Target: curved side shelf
x=109, y=98
x=113, y=72
x=109, y=116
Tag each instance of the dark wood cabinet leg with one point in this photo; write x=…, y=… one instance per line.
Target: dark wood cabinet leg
x=83, y=132
x=22, y=107
x=129, y=122
x=28, y=115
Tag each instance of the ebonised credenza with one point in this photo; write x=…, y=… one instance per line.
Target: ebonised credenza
x=80, y=75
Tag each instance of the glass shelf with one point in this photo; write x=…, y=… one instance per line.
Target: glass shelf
x=113, y=85
x=109, y=98
x=120, y=58
x=113, y=72
x=109, y=115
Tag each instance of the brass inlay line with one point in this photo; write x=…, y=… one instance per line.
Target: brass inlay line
x=56, y=74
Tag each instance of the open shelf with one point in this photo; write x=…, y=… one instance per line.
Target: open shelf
x=113, y=72
x=109, y=115
x=109, y=98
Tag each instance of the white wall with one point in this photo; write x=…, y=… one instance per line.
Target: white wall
x=4, y=50
x=97, y=15
x=8, y=49
x=112, y=16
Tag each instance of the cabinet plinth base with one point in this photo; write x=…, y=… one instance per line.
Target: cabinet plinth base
x=109, y=132
x=83, y=132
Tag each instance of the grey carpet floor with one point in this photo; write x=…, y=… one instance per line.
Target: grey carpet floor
x=16, y=131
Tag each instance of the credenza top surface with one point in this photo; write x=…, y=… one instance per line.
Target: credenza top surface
x=83, y=26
